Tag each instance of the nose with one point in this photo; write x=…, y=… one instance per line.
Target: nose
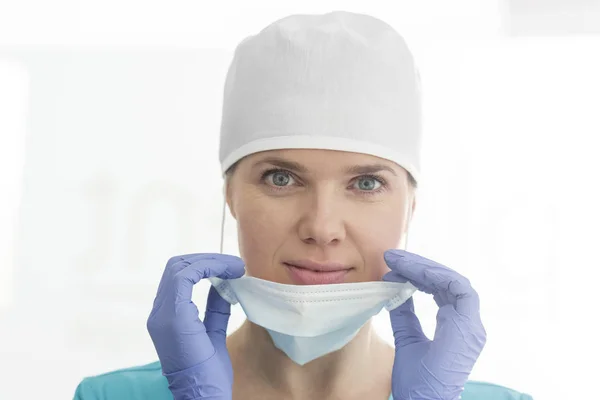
x=322, y=222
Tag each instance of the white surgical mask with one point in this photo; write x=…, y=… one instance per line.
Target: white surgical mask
x=309, y=321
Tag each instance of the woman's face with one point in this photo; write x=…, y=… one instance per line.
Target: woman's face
x=318, y=216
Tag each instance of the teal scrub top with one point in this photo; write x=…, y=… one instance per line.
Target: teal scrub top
x=146, y=382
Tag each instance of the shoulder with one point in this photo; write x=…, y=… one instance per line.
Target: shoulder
x=475, y=390
x=147, y=382
x=140, y=382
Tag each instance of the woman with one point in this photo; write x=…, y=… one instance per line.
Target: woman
x=320, y=149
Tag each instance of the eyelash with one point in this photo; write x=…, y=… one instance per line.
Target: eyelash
x=379, y=179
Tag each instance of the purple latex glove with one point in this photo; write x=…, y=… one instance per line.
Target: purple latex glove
x=434, y=369
x=193, y=355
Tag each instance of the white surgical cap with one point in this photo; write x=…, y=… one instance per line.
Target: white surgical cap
x=337, y=81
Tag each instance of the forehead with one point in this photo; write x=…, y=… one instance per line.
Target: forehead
x=322, y=162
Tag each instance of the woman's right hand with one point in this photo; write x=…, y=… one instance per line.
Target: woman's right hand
x=193, y=354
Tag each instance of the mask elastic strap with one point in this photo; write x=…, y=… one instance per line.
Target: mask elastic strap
x=223, y=221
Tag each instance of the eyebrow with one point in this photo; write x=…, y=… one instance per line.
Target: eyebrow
x=359, y=169
x=281, y=163
x=368, y=169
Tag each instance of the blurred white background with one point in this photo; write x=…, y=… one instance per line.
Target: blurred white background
x=109, y=120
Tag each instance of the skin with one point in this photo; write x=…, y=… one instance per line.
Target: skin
x=319, y=205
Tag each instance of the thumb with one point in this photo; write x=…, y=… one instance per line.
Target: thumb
x=406, y=326
x=216, y=317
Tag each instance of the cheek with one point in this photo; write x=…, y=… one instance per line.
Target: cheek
x=260, y=234
x=380, y=232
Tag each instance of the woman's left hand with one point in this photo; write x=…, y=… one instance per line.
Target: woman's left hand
x=434, y=369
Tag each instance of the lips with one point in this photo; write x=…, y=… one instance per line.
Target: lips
x=306, y=272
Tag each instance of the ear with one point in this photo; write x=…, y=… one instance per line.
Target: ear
x=227, y=189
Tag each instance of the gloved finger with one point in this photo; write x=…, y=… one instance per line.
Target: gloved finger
x=405, y=323
x=216, y=317
x=188, y=336
x=457, y=343
x=178, y=263
x=394, y=277
x=406, y=326
x=184, y=280
x=447, y=285
x=174, y=265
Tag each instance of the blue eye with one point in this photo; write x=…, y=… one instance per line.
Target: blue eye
x=278, y=178
x=368, y=183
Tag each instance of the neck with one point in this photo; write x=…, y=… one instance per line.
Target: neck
x=255, y=359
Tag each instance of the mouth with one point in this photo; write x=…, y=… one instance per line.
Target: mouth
x=310, y=273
